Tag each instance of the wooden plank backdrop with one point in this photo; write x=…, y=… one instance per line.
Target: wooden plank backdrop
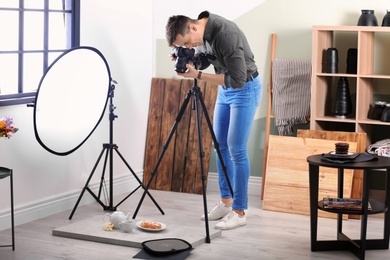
x=287, y=185
x=179, y=169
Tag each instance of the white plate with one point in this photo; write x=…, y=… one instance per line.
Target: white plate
x=341, y=154
x=138, y=224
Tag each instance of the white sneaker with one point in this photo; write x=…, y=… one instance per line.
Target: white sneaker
x=230, y=221
x=218, y=211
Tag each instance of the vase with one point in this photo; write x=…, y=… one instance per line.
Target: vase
x=377, y=110
x=352, y=61
x=386, y=18
x=332, y=60
x=386, y=114
x=367, y=18
x=342, y=103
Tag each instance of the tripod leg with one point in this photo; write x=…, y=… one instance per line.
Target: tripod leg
x=216, y=144
x=164, y=149
x=86, y=186
x=201, y=155
x=102, y=184
x=139, y=181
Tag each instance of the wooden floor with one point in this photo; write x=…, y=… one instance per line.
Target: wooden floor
x=267, y=235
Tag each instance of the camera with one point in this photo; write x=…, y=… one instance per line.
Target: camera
x=183, y=57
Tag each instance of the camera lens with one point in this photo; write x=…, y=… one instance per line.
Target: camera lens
x=180, y=65
x=184, y=56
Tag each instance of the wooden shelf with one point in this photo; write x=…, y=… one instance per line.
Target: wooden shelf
x=377, y=207
x=370, y=80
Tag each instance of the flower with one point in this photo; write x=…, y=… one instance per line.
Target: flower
x=7, y=127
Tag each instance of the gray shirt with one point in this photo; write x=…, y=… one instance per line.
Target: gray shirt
x=233, y=56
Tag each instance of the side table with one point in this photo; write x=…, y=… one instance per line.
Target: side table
x=343, y=242
x=4, y=173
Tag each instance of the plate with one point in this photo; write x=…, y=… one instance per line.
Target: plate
x=347, y=156
x=163, y=226
x=342, y=154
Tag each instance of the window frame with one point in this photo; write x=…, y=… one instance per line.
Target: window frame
x=29, y=97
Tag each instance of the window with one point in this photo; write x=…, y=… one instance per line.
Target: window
x=33, y=34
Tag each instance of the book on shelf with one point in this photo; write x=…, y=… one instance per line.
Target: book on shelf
x=344, y=203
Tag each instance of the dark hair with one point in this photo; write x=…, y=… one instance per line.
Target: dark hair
x=177, y=24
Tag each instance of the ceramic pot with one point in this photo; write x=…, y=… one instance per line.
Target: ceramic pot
x=367, y=18
x=386, y=18
x=377, y=110
x=386, y=114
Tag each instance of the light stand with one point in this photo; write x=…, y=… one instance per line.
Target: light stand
x=197, y=95
x=109, y=148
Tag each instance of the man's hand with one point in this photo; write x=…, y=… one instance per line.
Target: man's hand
x=190, y=73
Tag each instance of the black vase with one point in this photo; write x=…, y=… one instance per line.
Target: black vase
x=367, y=18
x=386, y=114
x=332, y=60
x=352, y=61
x=342, y=103
x=377, y=110
x=386, y=18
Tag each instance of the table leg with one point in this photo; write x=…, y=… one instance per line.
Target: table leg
x=364, y=220
x=313, y=193
x=340, y=194
x=386, y=232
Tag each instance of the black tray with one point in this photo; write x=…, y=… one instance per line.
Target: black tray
x=333, y=155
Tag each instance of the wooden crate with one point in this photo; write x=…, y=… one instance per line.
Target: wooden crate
x=287, y=185
x=179, y=169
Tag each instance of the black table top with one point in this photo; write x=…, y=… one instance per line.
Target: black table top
x=4, y=172
x=381, y=163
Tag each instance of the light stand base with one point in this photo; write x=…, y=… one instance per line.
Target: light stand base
x=109, y=148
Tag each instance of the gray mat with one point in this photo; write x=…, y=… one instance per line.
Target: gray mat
x=92, y=230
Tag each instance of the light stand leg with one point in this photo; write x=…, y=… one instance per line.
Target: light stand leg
x=102, y=187
x=139, y=181
x=87, y=188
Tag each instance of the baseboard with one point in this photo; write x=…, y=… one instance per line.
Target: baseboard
x=55, y=204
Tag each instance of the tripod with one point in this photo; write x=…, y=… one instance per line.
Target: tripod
x=196, y=93
x=109, y=149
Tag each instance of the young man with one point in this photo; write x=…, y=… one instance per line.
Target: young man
x=239, y=94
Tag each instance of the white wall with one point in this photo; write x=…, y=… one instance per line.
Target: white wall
x=131, y=36
x=290, y=20
x=45, y=183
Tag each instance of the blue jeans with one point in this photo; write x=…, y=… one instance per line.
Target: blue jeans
x=233, y=117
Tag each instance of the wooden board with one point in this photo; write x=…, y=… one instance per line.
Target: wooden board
x=179, y=169
x=359, y=138
x=287, y=185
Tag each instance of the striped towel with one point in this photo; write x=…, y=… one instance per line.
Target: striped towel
x=291, y=81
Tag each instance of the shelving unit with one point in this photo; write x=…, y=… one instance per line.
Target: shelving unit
x=371, y=82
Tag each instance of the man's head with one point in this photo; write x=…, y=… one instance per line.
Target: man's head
x=182, y=31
